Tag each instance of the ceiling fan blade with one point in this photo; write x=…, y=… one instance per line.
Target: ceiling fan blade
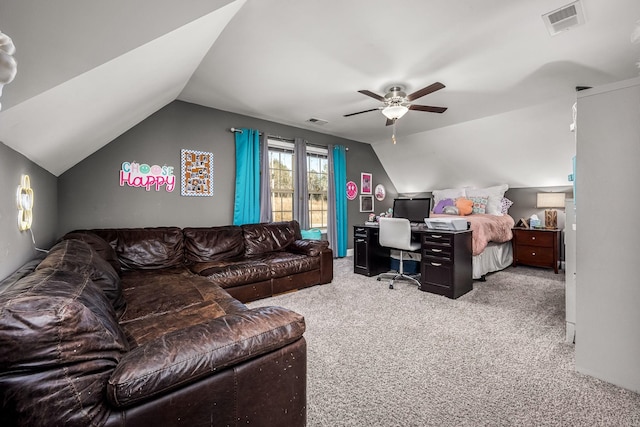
x=428, y=108
x=425, y=91
x=391, y=121
x=371, y=94
x=360, y=112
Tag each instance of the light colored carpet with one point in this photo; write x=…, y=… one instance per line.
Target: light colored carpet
x=494, y=357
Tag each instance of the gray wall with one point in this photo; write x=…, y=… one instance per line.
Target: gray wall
x=607, y=241
x=524, y=202
x=16, y=247
x=90, y=195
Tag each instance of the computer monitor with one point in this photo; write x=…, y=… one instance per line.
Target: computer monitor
x=415, y=210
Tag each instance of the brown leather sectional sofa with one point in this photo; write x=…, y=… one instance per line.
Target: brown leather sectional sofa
x=138, y=327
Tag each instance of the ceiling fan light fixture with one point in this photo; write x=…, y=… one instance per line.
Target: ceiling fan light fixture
x=394, y=112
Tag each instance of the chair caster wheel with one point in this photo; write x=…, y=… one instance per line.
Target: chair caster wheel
x=378, y=279
x=390, y=286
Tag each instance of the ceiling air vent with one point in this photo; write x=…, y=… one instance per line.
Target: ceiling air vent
x=317, y=121
x=565, y=18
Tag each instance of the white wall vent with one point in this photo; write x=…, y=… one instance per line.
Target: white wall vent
x=316, y=121
x=565, y=18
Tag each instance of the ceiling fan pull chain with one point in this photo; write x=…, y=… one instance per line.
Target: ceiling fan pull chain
x=393, y=136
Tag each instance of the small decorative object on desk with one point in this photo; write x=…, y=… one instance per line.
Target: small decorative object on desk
x=534, y=221
x=372, y=217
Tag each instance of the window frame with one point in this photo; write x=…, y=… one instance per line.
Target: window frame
x=277, y=146
x=313, y=151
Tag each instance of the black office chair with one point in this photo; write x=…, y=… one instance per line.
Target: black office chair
x=395, y=233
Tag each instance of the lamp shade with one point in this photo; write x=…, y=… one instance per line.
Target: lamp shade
x=550, y=200
x=394, y=111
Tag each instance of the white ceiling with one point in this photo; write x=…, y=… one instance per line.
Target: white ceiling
x=88, y=71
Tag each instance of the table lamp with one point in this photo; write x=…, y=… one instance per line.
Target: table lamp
x=550, y=201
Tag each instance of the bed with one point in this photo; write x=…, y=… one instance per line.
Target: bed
x=491, y=242
x=487, y=210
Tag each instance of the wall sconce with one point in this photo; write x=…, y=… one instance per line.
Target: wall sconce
x=550, y=201
x=25, y=203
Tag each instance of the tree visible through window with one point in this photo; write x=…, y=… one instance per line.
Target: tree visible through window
x=281, y=161
x=318, y=176
x=281, y=171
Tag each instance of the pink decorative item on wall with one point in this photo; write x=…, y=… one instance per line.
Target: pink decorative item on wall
x=352, y=190
x=135, y=174
x=366, y=180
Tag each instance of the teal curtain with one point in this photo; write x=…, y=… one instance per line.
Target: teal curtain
x=246, y=209
x=340, y=181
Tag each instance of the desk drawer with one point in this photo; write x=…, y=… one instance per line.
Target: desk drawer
x=534, y=255
x=437, y=239
x=360, y=232
x=533, y=238
x=436, y=273
x=435, y=252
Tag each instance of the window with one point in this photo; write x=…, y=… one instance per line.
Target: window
x=318, y=182
x=281, y=170
x=281, y=177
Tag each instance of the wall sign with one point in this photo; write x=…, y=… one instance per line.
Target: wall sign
x=380, y=192
x=197, y=169
x=135, y=174
x=366, y=180
x=352, y=190
x=366, y=203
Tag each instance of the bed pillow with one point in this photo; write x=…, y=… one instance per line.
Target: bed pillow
x=505, y=204
x=439, y=207
x=464, y=205
x=449, y=193
x=479, y=204
x=495, y=195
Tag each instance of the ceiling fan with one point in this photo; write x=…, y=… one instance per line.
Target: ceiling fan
x=397, y=102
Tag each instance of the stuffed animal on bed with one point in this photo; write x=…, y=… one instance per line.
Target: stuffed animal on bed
x=441, y=205
x=459, y=206
x=464, y=205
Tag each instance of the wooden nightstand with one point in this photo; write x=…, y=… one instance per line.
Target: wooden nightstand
x=537, y=247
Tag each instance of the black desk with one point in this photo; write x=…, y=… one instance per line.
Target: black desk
x=445, y=267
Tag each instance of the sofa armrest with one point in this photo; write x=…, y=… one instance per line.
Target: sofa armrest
x=184, y=356
x=308, y=247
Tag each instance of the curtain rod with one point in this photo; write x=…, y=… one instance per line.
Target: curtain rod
x=280, y=138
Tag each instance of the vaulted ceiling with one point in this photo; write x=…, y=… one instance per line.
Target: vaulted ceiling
x=88, y=71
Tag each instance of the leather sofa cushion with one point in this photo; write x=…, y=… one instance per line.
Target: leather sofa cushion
x=79, y=256
x=213, y=243
x=100, y=245
x=287, y=263
x=262, y=238
x=144, y=329
x=150, y=248
x=232, y=273
x=165, y=300
x=186, y=355
x=309, y=247
x=152, y=292
x=59, y=343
